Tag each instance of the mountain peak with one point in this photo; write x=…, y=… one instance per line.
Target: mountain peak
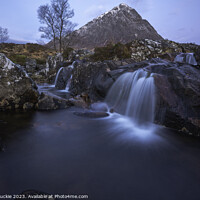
x=123, y=5
x=121, y=24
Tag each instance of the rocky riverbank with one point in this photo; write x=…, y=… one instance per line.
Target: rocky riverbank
x=86, y=82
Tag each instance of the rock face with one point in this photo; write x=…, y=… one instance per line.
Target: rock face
x=17, y=90
x=50, y=102
x=178, y=96
x=95, y=79
x=147, y=49
x=121, y=24
x=63, y=77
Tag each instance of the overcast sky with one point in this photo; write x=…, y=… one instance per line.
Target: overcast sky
x=177, y=20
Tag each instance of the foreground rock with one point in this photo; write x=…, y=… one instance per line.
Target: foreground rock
x=178, y=96
x=17, y=90
x=50, y=102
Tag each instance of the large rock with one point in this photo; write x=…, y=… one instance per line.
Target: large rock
x=95, y=79
x=178, y=96
x=17, y=90
x=63, y=77
x=52, y=102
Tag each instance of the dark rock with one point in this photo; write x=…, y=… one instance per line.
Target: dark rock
x=92, y=78
x=63, y=78
x=80, y=101
x=31, y=65
x=52, y=102
x=17, y=90
x=90, y=114
x=178, y=96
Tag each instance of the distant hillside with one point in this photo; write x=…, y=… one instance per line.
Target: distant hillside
x=121, y=24
x=18, y=53
x=16, y=41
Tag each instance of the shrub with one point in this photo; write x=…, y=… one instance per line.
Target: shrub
x=112, y=51
x=67, y=52
x=18, y=59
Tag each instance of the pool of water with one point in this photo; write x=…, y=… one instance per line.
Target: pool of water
x=60, y=153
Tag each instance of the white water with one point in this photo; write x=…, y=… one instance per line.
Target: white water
x=133, y=95
x=69, y=81
x=68, y=84
x=57, y=75
x=186, y=58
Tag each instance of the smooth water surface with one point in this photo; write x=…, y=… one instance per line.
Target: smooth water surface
x=60, y=153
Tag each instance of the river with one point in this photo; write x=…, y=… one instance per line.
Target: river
x=58, y=152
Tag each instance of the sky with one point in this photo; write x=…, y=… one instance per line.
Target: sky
x=177, y=20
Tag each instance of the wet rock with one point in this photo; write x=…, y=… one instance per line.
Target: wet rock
x=52, y=102
x=102, y=107
x=17, y=89
x=78, y=101
x=178, y=95
x=94, y=79
x=63, y=78
x=90, y=114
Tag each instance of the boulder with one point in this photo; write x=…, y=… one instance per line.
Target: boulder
x=17, y=89
x=92, y=78
x=53, y=63
x=178, y=96
x=52, y=102
x=99, y=106
x=63, y=77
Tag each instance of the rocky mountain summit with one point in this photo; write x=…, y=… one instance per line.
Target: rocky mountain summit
x=121, y=24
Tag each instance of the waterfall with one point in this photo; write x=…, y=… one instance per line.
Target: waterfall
x=69, y=80
x=57, y=75
x=186, y=58
x=68, y=84
x=133, y=95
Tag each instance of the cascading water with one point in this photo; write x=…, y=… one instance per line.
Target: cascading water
x=186, y=58
x=57, y=75
x=133, y=95
x=68, y=84
x=69, y=80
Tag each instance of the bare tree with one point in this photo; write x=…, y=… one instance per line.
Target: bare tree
x=47, y=16
x=63, y=13
x=3, y=34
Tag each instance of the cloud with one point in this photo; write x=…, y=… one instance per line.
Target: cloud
x=95, y=10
